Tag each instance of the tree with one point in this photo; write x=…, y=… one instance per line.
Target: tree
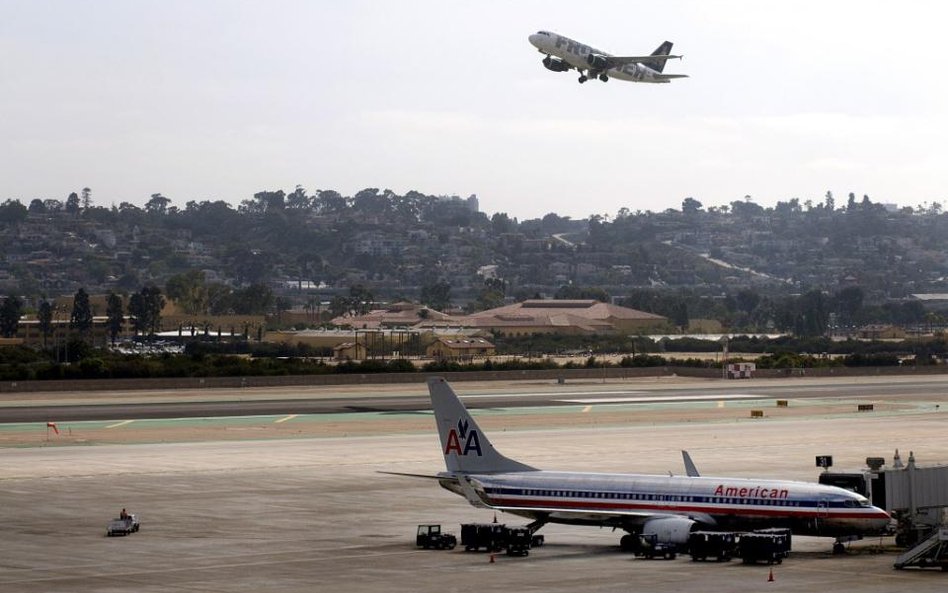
x=115, y=314
x=690, y=206
x=13, y=212
x=153, y=302
x=139, y=313
x=81, y=316
x=573, y=292
x=812, y=315
x=145, y=308
x=158, y=204
x=437, y=295
x=188, y=291
x=747, y=300
x=256, y=299
x=501, y=223
x=298, y=199
x=848, y=303
x=329, y=201
x=72, y=203
x=219, y=299
x=10, y=311
x=491, y=295
x=45, y=317
x=86, y=198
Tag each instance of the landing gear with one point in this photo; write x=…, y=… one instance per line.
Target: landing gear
x=839, y=547
x=603, y=78
x=582, y=78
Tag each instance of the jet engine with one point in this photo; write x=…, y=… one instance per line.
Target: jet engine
x=555, y=64
x=671, y=530
x=597, y=61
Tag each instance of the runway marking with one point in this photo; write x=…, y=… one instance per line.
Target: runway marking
x=661, y=398
x=515, y=395
x=122, y=423
x=586, y=409
x=285, y=418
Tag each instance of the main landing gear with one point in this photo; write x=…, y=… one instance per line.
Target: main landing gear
x=839, y=546
x=602, y=76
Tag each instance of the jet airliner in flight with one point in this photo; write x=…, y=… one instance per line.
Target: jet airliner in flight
x=670, y=506
x=564, y=54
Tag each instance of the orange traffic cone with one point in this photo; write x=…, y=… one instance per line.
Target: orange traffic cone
x=771, y=577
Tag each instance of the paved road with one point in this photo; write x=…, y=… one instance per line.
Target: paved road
x=523, y=395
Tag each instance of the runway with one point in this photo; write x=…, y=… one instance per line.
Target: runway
x=202, y=403
x=305, y=513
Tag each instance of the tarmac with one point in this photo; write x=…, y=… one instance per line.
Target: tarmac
x=308, y=510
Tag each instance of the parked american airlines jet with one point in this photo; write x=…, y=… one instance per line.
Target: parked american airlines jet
x=563, y=54
x=670, y=506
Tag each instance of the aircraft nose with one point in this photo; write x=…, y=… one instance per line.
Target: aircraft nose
x=534, y=40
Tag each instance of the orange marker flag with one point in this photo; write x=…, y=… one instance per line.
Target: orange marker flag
x=53, y=426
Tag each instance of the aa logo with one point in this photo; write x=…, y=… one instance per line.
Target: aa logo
x=463, y=441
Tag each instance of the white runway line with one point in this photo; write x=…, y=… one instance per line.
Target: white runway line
x=281, y=420
x=665, y=398
x=122, y=423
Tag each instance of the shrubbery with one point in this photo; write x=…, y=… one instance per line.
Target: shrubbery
x=208, y=359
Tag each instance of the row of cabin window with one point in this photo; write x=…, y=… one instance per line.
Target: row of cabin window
x=662, y=497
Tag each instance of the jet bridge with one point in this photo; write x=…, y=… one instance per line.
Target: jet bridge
x=915, y=496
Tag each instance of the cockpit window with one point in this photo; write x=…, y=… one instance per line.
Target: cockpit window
x=543, y=33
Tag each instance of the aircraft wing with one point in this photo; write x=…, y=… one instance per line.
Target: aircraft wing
x=622, y=60
x=426, y=476
x=614, y=518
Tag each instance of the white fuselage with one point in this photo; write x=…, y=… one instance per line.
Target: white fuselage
x=724, y=503
x=575, y=53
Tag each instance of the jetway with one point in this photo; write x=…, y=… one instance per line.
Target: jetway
x=915, y=496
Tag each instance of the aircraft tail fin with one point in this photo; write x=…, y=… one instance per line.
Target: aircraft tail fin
x=663, y=50
x=690, y=469
x=465, y=446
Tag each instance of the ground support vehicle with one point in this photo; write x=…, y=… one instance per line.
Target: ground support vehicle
x=649, y=547
x=430, y=537
x=120, y=526
x=763, y=547
x=719, y=545
x=490, y=537
x=519, y=541
x=931, y=552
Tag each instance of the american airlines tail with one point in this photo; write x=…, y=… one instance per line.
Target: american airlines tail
x=465, y=446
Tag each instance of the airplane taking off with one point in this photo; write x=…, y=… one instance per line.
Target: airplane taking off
x=563, y=54
x=669, y=506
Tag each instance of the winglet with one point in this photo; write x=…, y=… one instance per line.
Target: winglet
x=690, y=468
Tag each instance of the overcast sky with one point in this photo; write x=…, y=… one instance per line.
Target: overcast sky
x=221, y=99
